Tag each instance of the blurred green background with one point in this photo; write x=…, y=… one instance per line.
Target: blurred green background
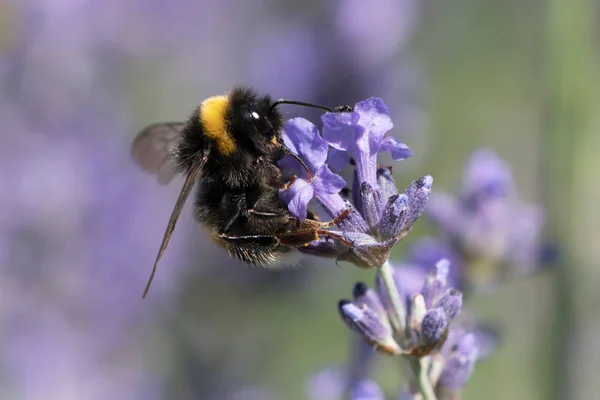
x=515, y=76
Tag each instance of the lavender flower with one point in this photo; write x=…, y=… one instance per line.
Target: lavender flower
x=428, y=312
x=361, y=134
x=429, y=305
x=486, y=224
x=302, y=137
x=379, y=217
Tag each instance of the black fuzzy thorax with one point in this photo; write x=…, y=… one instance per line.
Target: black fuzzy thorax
x=252, y=147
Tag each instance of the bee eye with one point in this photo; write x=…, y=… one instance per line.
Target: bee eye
x=261, y=124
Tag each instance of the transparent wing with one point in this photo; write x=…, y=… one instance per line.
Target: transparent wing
x=152, y=147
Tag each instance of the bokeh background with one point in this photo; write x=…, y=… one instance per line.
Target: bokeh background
x=80, y=224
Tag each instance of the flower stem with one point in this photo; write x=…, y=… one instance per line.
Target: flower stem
x=387, y=275
x=417, y=365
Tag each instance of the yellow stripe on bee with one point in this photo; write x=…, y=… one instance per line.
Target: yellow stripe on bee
x=212, y=115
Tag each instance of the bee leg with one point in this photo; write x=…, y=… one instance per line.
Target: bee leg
x=332, y=235
x=266, y=213
x=311, y=230
x=303, y=237
x=290, y=182
x=335, y=236
x=251, y=238
x=229, y=222
x=336, y=220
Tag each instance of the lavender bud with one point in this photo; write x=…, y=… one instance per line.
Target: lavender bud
x=372, y=327
x=434, y=327
x=354, y=222
x=363, y=295
x=391, y=223
x=435, y=282
x=369, y=204
x=418, y=193
x=417, y=312
x=451, y=302
x=366, y=389
x=387, y=185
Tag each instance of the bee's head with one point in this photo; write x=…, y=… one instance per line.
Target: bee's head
x=254, y=125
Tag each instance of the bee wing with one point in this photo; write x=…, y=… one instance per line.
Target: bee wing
x=152, y=147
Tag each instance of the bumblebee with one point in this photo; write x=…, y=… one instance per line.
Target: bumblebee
x=230, y=145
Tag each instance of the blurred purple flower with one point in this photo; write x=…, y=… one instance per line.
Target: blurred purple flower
x=377, y=31
x=327, y=384
x=486, y=224
x=72, y=255
x=459, y=363
x=457, y=360
x=366, y=390
x=286, y=46
x=333, y=384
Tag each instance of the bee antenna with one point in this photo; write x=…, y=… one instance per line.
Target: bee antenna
x=299, y=103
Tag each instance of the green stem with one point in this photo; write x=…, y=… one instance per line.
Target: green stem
x=571, y=137
x=419, y=366
x=387, y=274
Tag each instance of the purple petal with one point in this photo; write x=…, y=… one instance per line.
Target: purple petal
x=341, y=129
x=302, y=137
x=297, y=197
x=338, y=159
x=326, y=181
x=375, y=120
x=398, y=150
